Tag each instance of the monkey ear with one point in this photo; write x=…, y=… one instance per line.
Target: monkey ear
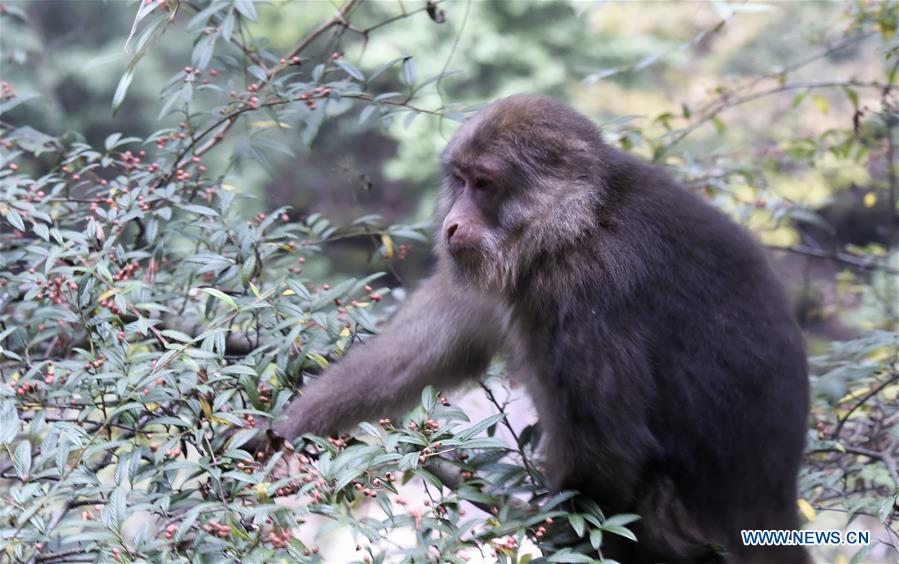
x=579, y=145
x=568, y=143
x=560, y=144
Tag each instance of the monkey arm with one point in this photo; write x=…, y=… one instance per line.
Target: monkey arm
x=442, y=336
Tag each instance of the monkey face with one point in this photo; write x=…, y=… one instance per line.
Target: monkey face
x=521, y=180
x=474, y=229
x=473, y=198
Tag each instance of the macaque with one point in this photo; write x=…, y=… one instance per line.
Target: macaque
x=653, y=336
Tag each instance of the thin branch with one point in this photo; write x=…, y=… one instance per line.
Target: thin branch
x=728, y=103
x=894, y=377
x=452, y=479
x=882, y=455
x=221, y=127
x=838, y=46
x=226, y=123
x=340, y=18
x=836, y=256
x=66, y=554
x=535, y=476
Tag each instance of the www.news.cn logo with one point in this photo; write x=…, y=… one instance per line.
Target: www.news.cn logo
x=805, y=538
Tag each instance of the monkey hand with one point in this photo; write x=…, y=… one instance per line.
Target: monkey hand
x=302, y=415
x=264, y=441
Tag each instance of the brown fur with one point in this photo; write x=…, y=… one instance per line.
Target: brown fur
x=659, y=348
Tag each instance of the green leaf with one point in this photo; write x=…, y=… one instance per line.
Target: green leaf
x=14, y=102
x=228, y=26
x=202, y=52
x=22, y=460
x=298, y=289
x=568, y=556
x=409, y=71
x=111, y=141
x=257, y=72
x=861, y=556
x=201, y=210
x=121, y=90
x=822, y=104
x=410, y=117
x=853, y=97
x=577, y=523
x=596, y=538
x=116, y=509
x=620, y=531
x=484, y=442
x=480, y=427
x=719, y=124
x=473, y=494
x=428, y=399
x=351, y=70
x=380, y=70
x=239, y=369
x=187, y=523
x=187, y=92
x=246, y=9
x=221, y=296
x=9, y=420
x=367, y=112
x=15, y=219
x=177, y=335
x=621, y=519
x=370, y=429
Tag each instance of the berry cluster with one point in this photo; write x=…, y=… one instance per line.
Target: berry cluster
x=53, y=289
x=339, y=442
x=96, y=364
x=213, y=527
x=290, y=489
x=7, y=92
x=540, y=531
x=25, y=388
x=279, y=538
x=507, y=546
x=126, y=272
x=170, y=531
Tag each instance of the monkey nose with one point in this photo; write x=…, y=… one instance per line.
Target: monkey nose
x=461, y=237
x=451, y=230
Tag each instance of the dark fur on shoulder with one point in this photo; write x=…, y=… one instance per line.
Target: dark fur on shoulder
x=650, y=330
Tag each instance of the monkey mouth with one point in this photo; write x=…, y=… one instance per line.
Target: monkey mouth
x=473, y=267
x=465, y=253
x=467, y=260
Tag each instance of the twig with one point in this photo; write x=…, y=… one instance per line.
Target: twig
x=535, y=476
x=226, y=123
x=840, y=45
x=65, y=554
x=894, y=377
x=451, y=478
x=727, y=103
x=836, y=256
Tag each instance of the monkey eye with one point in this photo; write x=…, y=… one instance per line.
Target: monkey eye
x=456, y=181
x=482, y=184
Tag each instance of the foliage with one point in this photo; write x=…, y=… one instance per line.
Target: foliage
x=150, y=326
x=148, y=323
